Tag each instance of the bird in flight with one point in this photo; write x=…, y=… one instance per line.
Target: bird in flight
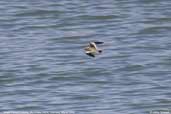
x=92, y=49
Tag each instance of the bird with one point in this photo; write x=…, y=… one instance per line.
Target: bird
x=92, y=49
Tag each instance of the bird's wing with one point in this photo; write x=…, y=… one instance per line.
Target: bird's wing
x=90, y=54
x=98, y=42
x=92, y=45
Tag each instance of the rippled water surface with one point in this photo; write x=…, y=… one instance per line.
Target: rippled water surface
x=43, y=66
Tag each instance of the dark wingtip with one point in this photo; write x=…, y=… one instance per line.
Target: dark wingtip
x=90, y=54
x=98, y=42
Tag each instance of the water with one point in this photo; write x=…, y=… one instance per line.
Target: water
x=43, y=66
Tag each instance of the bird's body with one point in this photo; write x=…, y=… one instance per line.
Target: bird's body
x=92, y=49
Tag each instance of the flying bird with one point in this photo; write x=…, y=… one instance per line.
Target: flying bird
x=92, y=49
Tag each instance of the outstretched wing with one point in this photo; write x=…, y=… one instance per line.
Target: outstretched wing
x=98, y=42
x=90, y=54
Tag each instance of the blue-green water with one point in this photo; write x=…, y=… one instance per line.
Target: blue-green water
x=43, y=66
